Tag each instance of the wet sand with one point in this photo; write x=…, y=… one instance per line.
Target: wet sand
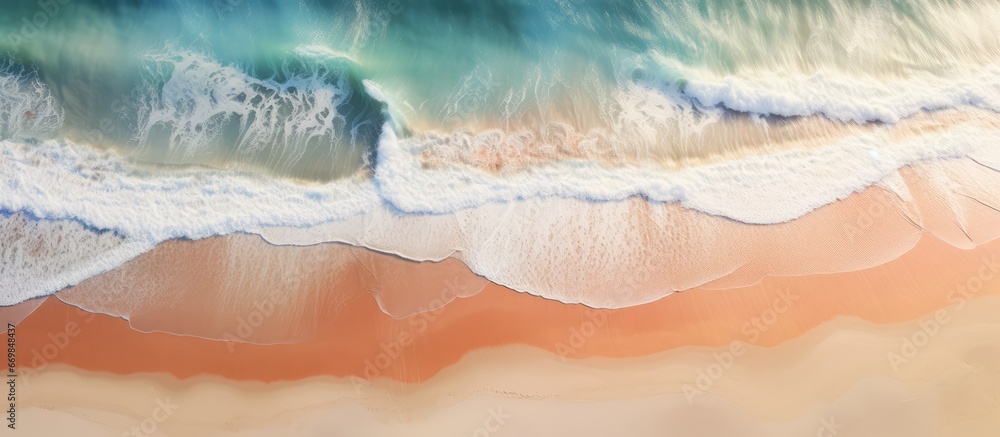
x=359, y=333
x=251, y=338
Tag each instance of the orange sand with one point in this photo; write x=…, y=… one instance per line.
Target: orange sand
x=365, y=342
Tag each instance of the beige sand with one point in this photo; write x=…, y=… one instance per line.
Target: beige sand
x=837, y=377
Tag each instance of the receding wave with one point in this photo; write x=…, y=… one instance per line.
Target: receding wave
x=106, y=192
x=694, y=123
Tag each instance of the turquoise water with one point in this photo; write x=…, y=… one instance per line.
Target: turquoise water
x=439, y=65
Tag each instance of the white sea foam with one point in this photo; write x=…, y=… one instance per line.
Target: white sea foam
x=760, y=189
x=62, y=181
x=451, y=210
x=200, y=109
x=430, y=213
x=845, y=98
x=38, y=257
x=27, y=107
x=200, y=96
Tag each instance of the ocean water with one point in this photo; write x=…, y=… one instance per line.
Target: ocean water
x=127, y=123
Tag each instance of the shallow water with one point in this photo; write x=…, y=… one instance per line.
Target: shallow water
x=163, y=120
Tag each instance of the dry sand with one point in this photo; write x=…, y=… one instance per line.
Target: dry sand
x=837, y=379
